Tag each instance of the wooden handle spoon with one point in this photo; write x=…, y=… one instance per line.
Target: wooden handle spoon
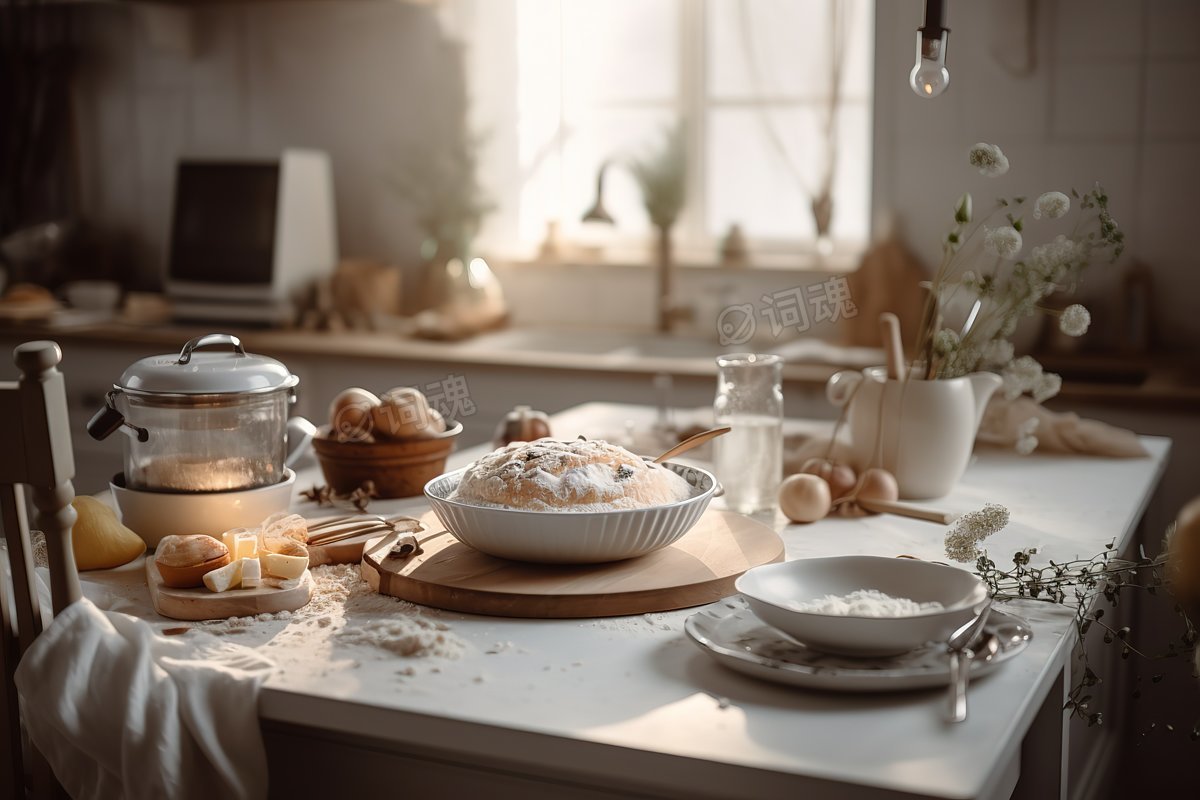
x=692, y=441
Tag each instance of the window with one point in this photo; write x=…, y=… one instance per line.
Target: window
x=751, y=81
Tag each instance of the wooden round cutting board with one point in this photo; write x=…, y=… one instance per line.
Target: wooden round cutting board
x=699, y=568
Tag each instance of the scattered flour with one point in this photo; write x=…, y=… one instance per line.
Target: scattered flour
x=865, y=603
x=363, y=617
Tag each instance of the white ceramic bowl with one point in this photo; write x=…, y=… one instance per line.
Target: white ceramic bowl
x=769, y=590
x=153, y=515
x=93, y=295
x=571, y=537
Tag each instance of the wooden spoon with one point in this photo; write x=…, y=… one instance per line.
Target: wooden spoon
x=899, y=509
x=692, y=441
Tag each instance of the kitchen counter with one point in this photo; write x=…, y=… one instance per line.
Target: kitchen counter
x=1166, y=382
x=622, y=352
x=629, y=707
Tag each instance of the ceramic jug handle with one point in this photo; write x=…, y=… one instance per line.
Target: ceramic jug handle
x=300, y=433
x=841, y=386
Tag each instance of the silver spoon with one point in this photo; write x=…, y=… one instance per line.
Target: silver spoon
x=961, y=655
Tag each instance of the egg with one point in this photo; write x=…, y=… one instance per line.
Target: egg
x=350, y=415
x=404, y=413
x=804, y=498
x=875, y=484
x=840, y=477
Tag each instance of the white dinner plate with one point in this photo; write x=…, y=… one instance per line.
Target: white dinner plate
x=730, y=633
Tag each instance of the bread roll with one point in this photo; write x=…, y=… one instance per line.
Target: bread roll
x=183, y=561
x=404, y=413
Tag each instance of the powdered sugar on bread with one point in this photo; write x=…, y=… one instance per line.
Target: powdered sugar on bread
x=550, y=475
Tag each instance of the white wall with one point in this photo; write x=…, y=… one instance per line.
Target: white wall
x=1114, y=97
x=364, y=81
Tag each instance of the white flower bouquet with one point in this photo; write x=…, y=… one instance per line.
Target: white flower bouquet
x=982, y=259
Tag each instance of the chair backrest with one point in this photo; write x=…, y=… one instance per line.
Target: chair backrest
x=35, y=451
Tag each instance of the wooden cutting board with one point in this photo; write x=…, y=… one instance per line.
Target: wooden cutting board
x=200, y=603
x=699, y=568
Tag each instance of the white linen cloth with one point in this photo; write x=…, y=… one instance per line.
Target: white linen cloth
x=121, y=711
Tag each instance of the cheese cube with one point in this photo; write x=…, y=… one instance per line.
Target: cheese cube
x=242, y=543
x=226, y=578
x=281, y=566
x=251, y=573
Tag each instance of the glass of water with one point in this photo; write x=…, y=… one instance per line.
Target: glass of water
x=749, y=459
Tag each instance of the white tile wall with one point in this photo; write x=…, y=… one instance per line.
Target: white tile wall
x=362, y=81
x=1175, y=29
x=1114, y=98
x=1173, y=98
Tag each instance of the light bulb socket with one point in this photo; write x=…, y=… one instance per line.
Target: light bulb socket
x=931, y=45
x=935, y=17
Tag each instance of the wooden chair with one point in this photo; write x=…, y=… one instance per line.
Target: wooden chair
x=35, y=451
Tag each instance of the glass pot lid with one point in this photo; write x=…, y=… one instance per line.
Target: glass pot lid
x=204, y=373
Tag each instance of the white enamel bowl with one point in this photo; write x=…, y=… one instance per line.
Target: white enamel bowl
x=769, y=590
x=153, y=515
x=571, y=537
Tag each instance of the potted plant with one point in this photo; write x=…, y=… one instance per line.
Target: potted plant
x=921, y=426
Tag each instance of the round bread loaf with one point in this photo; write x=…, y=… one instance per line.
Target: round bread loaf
x=549, y=475
x=182, y=561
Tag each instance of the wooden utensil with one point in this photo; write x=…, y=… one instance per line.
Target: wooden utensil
x=699, y=568
x=902, y=510
x=893, y=347
x=692, y=442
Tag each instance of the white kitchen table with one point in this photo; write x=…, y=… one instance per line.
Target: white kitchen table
x=629, y=707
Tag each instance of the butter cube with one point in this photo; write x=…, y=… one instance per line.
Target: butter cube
x=251, y=573
x=281, y=566
x=242, y=543
x=226, y=578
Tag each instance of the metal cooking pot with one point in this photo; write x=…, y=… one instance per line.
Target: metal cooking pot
x=204, y=421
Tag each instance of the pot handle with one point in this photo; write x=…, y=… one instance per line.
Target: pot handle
x=109, y=420
x=300, y=433
x=841, y=386
x=185, y=355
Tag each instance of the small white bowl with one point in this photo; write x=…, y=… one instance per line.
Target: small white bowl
x=571, y=537
x=93, y=295
x=770, y=589
x=153, y=515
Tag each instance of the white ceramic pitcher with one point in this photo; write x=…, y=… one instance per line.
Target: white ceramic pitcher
x=927, y=427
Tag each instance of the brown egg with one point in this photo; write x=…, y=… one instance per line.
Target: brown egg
x=840, y=477
x=350, y=415
x=804, y=498
x=877, y=484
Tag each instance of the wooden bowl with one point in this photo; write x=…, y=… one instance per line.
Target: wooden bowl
x=398, y=469
x=191, y=576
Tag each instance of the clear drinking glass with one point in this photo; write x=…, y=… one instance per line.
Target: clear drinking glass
x=749, y=459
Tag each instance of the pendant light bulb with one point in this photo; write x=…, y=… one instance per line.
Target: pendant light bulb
x=929, y=76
